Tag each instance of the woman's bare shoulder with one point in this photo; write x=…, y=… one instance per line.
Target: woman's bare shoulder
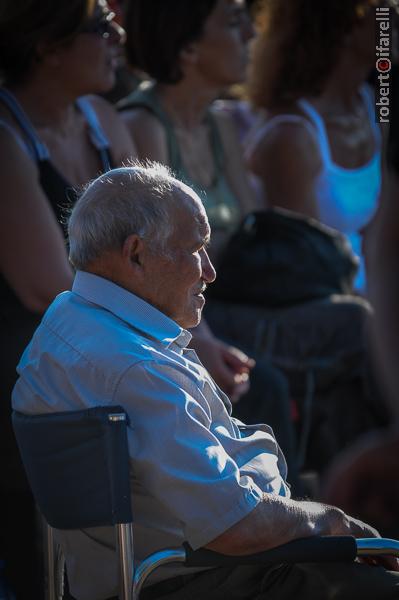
x=283, y=137
x=122, y=145
x=147, y=132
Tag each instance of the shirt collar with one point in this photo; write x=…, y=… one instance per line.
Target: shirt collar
x=130, y=308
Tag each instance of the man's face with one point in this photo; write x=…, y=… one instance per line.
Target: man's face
x=175, y=280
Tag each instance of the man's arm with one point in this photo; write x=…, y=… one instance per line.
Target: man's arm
x=277, y=520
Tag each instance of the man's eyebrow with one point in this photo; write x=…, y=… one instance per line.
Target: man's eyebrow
x=204, y=229
x=206, y=237
x=203, y=240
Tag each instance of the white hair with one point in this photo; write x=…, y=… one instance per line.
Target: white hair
x=136, y=199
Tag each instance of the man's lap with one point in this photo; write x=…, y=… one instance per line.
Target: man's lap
x=316, y=581
x=325, y=581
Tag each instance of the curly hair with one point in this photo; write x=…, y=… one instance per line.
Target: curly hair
x=157, y=31
x=24, y=24
x=297, y=47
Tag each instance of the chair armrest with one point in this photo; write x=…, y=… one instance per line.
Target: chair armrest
x=314, y=549
x=377, y=546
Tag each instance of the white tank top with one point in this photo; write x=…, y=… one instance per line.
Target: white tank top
x=347, y=198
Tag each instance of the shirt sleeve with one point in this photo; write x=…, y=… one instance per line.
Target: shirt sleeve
x=176, y=456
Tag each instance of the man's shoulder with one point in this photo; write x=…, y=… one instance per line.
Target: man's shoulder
x=83, y=354
x=73, y=327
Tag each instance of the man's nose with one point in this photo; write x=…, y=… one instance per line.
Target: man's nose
x=208, y=270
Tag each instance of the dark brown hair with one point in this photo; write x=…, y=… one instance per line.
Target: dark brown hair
x=26, y=23
x=297, y=47
x=157, y=31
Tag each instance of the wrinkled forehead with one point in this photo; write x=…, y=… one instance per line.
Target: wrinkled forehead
x=192, y=201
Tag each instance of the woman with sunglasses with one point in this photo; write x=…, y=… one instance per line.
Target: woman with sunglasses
x=53, y=139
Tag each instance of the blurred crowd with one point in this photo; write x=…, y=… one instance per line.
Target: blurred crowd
x=266, y=108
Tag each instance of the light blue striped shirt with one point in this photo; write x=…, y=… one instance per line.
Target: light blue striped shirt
x=196, y=471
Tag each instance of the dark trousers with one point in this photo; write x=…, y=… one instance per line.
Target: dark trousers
x=315, y=581
x=332, y=581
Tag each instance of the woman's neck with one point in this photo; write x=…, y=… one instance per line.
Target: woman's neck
x=46, y=104
x=341, y=93
x=186, y=103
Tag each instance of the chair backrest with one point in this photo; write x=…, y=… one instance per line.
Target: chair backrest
x=77, y=465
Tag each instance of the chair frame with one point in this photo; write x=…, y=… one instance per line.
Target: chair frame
x=55, y=563
x=131, y=581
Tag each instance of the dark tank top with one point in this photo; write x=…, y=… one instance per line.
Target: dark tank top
x=17, y=323
x=60, y=193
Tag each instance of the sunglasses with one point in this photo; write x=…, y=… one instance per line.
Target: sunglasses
x=100, y=25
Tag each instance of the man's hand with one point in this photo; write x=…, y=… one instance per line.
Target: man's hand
x=228, y=366
x=278, y=520
x=359, y=529
x=347, y=525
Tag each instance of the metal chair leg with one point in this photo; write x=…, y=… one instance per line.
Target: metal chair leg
x=124, y=538
x=50, y=562
x=55, y=566
x=59, y=572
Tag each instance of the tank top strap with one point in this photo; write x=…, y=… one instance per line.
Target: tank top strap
x=145, y=97
x=286, y=118
x=320, y=129
x=216, y=143
x=18, y=138
x=97, y=135
x=366, y=93
x=37, y=149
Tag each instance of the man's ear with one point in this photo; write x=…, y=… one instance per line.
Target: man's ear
x=133, y=251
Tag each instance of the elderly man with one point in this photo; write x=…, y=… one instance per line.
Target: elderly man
x=138, y=240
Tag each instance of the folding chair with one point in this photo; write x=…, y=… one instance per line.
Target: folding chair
x=77, y=465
